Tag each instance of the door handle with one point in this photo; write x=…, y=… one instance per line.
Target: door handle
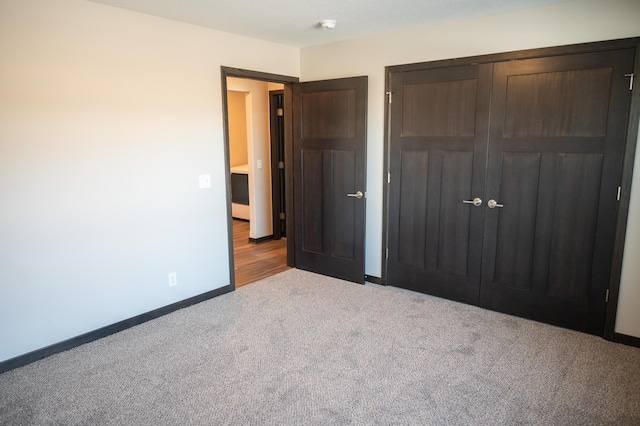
x=492, y=204
x=476, y=201
x=358, y=194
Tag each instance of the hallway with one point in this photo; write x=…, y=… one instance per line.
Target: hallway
x=256, y=261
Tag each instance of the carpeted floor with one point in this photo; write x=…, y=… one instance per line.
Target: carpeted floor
x=304, y=349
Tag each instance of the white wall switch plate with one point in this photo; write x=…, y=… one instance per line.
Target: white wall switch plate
x=205, y=181
x=259, y=164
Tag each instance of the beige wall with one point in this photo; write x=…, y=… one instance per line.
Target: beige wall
x=237, y=128
x=560, y=24
x=107, y=118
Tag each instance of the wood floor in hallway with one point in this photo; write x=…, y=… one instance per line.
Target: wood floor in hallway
x=256, y=261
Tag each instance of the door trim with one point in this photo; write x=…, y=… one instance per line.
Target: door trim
x=276, y=199
x=623, y=205
x=628, y=160
x=288, y=82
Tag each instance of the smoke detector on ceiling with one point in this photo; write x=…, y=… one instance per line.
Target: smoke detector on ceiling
x=328, y=24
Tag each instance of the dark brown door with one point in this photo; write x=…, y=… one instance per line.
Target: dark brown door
x=546, y=168
x=555, y=160
x=329, y=167
x=439, y=131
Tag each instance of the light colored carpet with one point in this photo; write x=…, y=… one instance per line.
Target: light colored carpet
x=299, y=349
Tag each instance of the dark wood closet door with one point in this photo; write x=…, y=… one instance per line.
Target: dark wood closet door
x=329, y=169
x=438, y=141
x=555, y=158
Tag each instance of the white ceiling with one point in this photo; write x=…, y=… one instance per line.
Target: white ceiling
x=296, y=22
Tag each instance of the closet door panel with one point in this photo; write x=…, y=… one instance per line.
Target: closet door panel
x=574, y=225
x=554, y=164
x=412, y=223
x=437, y=160
x=455, y=217
x=516, y=228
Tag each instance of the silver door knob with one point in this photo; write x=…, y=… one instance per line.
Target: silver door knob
x=358, y=194
x=492, y=204
x=476, y=202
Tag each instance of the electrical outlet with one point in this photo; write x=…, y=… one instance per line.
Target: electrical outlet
x=173, y=279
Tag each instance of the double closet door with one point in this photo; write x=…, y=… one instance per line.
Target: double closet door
x=504, y=180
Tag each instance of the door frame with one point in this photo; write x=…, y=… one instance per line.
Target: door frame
x=288, y=82
x=628, y=161
x=276, y=196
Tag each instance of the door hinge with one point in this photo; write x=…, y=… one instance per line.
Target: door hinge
x=388, y=177
x=390, y=95
x=386, y=256
x=631, y=76
x=281, y=165
x=281, y=216
x=619, y=192
x=606, y=296
x=280, y=112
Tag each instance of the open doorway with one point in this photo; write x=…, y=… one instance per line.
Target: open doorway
x=255, y=140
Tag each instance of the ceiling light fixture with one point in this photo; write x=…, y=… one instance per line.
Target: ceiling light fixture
x=328, y=24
